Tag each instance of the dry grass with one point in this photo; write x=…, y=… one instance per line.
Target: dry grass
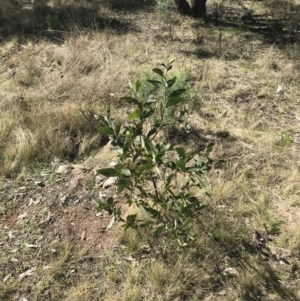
x=44, y=89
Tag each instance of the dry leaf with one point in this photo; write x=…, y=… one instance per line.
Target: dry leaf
x=6, y=278
x=221, y=293
x=14, y=259
x=31, y=246
x=112, y=164
x=23, y=215
x=231, y=272
x=110, y=181
x=83, y=235
x=27, y=273
x=279, y=89
x=11, y=235
x=129, y=258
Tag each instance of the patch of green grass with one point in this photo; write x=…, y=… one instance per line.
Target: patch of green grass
x=286, y=139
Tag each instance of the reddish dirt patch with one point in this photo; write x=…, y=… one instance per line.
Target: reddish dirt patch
x=84, y=227
x=62, y=209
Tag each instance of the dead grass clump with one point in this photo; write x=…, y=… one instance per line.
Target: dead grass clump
x=7, y=290
x=50, y=132
x=212, y=76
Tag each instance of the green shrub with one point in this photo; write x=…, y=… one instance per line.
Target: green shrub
x=157, y=176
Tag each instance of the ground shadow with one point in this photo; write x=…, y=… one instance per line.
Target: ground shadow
x=132, y=6
x=272, y=283
x=40, y=20
x=200, y=53
x=282, y=31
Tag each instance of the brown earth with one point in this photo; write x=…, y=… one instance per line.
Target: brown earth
x=63, y=209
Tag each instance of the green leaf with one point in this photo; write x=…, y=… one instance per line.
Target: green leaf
x=148, y=113
x=137, y=85
x=159, y=229
x=144, y=224
x=131, y=221
x=173, y=101
x=181, y=116
x=142, y=191
x=171, y=82
x=108, y=172
x=108, y=205
x=159, y=72
x=100, y=196
x=131, y=100
x=103, y=119
x=171, y=165
x=118, y=127
x=126, y=172
x=95, y=202
x=187, y=223
x=198, y=161
x=135, y=114
x=181, y=164
x=152, y=131
x=119, y=150
x=144, y=167
x=152, y=211
x=170, y=178
x=177, y=92
x=124, y=183
x=155, y=83
x=170, y=204
x=170, y=65
x=209, y=148
x=110, y=201
x=104, y=206
x=111, y=223
x=193, y=199
x=59, y=62
x=151, y=99
x=106, y=130
x=160, y=155
x=181, y=152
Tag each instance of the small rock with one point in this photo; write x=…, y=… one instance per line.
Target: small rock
x=63, y=169
x=231, y=272
x=279, y=89
x=109, y=182
x=221, y=293
x=40, y=183
x=63, y=198
x=112, y=164
x=23, y=215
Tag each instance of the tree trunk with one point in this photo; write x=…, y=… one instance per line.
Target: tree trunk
x=183, y=7
x=199, y=8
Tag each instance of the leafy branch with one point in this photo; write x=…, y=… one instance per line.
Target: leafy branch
x=155, y=175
